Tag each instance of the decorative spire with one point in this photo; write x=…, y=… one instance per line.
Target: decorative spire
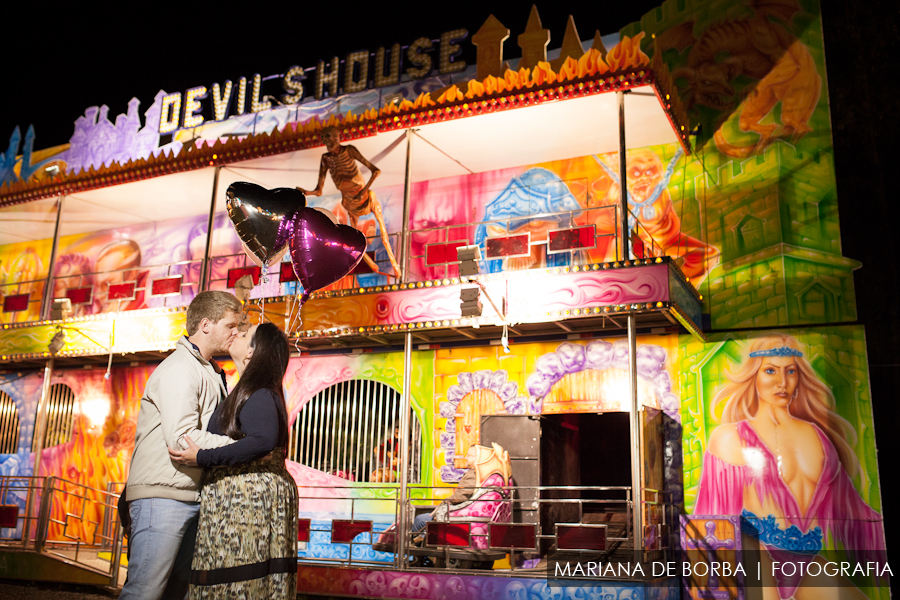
x=489, y=41
x=533, y=41
x=598, y=45
x=571, y=46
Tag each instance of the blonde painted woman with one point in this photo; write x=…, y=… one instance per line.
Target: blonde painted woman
x=783, y=459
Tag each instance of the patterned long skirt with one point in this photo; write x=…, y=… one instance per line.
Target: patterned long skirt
x=247, y=535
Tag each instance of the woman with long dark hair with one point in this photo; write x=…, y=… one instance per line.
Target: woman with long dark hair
x=247, y=535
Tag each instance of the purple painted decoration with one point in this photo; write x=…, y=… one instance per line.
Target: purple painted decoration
x=97, y=142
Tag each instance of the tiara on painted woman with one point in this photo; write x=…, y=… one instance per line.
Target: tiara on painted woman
x=780, y=351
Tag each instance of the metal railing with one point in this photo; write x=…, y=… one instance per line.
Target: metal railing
x=80, y=524
x=24, y=493
x=65, y=520
x=476, y=232
x=35, y=290
x=607, y=240
x=142, y=276
x=593, y=506
x=367, y=503
x=544, y=507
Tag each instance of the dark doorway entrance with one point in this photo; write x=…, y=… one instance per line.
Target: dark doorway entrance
x=585, y=450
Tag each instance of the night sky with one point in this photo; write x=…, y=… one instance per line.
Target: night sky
x=62, y=61
x=59, y=69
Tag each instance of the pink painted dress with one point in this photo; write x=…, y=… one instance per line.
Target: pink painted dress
x=836, y=506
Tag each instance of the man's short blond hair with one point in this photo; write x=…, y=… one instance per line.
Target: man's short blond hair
x=212, y=306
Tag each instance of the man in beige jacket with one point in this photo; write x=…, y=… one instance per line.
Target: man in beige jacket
x=163, y=496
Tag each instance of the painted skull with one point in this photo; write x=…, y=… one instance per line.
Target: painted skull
x=602, y=593
x=376, y=583
x=515, y=590
x=576, y=592
x=454, y=589
x=543, y=591
x=308, y=579
x=419, y=586
x=490, y=590
x=598, y=355
x=397, y=587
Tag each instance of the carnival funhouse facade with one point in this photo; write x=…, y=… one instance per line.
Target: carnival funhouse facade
x=623, y=353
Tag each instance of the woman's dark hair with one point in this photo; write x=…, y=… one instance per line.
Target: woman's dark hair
x=265, y=370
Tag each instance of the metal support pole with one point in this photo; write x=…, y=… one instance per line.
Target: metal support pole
x=40, y=427
x=47, y=300
x=623, y=179
x=637, y=494
x=43, y=521
x=115, y=559
x=204, y=268
x=405, y=408
x=407, y=190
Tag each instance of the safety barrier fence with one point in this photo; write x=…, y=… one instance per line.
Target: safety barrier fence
x=522, y=526
x=62, y=519
x=537, y=522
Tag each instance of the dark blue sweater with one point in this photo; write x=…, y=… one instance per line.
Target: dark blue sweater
x=258, y=420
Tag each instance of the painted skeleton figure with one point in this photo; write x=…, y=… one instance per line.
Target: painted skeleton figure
x=356, y=198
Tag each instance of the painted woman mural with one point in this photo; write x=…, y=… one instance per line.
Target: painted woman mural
x=783, y=459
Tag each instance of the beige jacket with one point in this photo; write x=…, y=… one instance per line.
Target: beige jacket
x=179, y=399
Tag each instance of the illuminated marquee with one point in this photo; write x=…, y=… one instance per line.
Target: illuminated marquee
x=186, y=110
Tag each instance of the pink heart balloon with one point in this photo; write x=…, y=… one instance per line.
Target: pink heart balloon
x=322, y=251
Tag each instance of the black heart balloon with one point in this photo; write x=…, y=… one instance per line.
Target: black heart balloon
x=262, y=218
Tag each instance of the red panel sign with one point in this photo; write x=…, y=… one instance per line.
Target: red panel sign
x=9, y=515
x=343, y=532
x=520, y=536
x=166, y=287
x=235, y=274
x=580, y=537
x=82, y=295
x=303, y=528
x=577, y=238
x=121, y=291
x=507, y=247
x=637, y=247
x=15, y=303
x=447, y=534
x=287, y=274
x=442, y=254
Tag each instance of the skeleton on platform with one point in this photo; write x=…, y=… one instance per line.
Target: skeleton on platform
x=356, y=197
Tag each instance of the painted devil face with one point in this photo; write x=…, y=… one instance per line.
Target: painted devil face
x=645, y=171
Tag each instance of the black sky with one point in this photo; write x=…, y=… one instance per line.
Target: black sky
x=75, y=60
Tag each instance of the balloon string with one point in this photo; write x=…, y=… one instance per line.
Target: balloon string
x=263, y=279
x=292, y=316
x=289, y=322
